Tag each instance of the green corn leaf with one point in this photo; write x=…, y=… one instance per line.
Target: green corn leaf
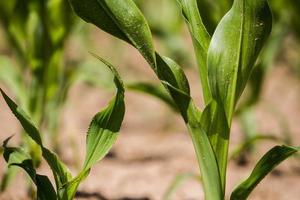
x=175, y=81
x=211, y=18
x=268, y=162
x=214, y=121
x=92, y=12
x=155, y=91
x=68, y=191
x=120, y=18
x=60, y=171
x=104, y=128
x=173, y=78
x=17, y=157
x=234, y=48
x=24, y=119
x=201, y=40
x=102, y=134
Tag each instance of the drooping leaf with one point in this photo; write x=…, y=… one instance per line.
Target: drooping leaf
x=265, y=165
x=234, y=48
x=122, y=19
x=17, y=157
x=60, y=171
x=24, y=119
x=173, y=78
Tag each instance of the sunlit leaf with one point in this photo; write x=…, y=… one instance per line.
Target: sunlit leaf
x=121, y=19
x=266, y=164
x=234, y=48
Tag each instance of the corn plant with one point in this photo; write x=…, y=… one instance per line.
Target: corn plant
x=101, y=135
x=284, y=15
x=36, y=32
x=225, y=61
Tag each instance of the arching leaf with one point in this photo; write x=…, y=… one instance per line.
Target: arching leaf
x=266, y=164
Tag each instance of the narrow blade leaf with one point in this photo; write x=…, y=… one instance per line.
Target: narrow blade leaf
x=201, y=40
x=121, y=19
x=266, y=164
x=60, y=171
x=102, y=134
x=104, y=128
x=17, y=157
x=24, y=119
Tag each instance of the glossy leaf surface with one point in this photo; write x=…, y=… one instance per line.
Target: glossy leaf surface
x=105, y=125
x=234, y=48
x=120, y=18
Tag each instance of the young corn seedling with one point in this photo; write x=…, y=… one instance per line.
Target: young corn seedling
x=36, y=32
x=101, y=135
x=225, y=63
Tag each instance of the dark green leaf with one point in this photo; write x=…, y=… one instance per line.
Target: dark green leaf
x=24, y=119
x=17, y=157
x=60, y=171
x=122, y=19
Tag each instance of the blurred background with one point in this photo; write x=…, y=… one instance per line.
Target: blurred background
x=47, y=67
